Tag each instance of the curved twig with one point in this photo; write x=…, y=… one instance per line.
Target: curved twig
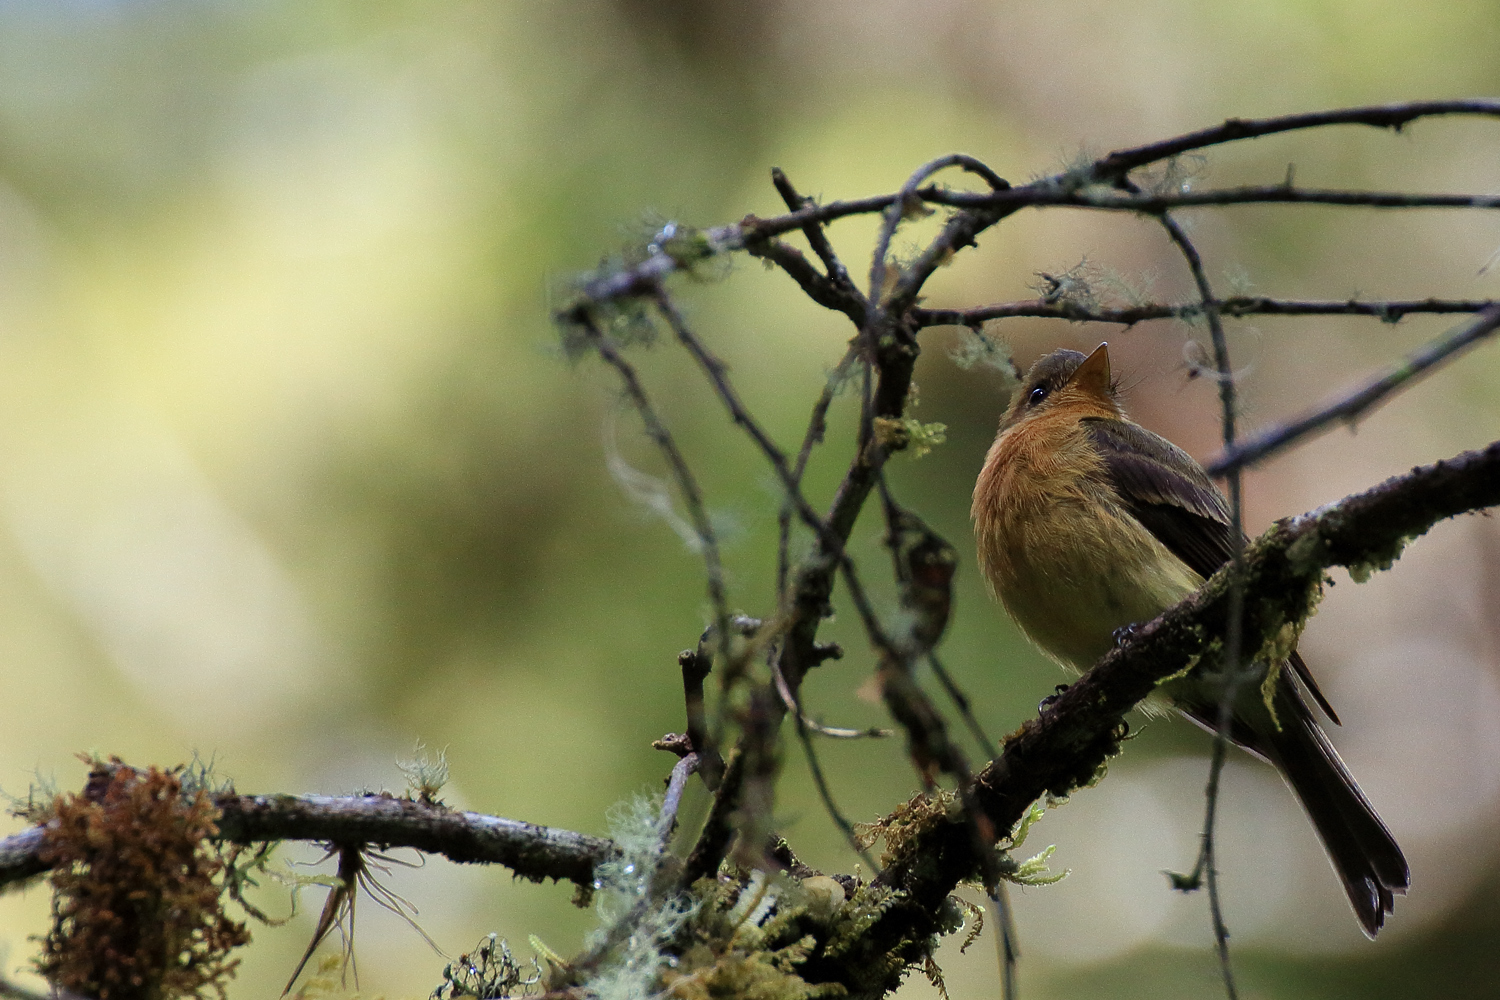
x=1350, y=406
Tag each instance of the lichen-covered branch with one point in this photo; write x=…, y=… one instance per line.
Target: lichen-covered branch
x=531, y=851
x=642, y=278
x=1387, y=310
x=1062, y=749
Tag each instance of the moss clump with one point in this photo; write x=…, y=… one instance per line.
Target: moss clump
x=136, y=911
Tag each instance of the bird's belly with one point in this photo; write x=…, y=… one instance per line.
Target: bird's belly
x=1071, y=578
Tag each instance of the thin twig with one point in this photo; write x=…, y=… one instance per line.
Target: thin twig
x=906, y=199
x=961, y=702
x=818, y=240
x=792, y=704
x=958, y=232
x=1233, y=641
x=1387, y=310
x=817, y=426
x=1045, y=193
x=687, y=483
x=672, y=800
x=1391, y=116
x=718, y=375
x=822, y=290
x=1350, y=406
x=825, y=792
x=643, y=278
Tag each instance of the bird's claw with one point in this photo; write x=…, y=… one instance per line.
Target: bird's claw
x=1051, y=699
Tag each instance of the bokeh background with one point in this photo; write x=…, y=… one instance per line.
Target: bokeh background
x=293, y=475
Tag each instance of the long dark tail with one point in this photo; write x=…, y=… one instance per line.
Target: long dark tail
x=1362, y=850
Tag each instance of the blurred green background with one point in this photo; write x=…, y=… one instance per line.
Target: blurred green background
x=292, y=472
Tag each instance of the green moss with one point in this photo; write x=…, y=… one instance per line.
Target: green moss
x=1384, y=559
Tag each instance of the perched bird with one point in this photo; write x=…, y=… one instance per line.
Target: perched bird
x=1087, y=523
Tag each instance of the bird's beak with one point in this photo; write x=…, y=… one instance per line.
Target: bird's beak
x=1092, y=376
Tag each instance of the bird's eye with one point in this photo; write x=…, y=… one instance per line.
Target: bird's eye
x=1037, y=395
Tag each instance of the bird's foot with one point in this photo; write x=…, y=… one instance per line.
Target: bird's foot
x=1051, y=699
x=1125, y=633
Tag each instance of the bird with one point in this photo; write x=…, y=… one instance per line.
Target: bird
x=1087, y=523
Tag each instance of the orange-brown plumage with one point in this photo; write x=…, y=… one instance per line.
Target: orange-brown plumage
x=1087, y=522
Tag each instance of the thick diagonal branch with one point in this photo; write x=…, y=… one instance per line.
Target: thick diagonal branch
x=1063, y=748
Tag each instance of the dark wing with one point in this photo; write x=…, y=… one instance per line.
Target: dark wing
x=1166, y=491
x=1171, y=495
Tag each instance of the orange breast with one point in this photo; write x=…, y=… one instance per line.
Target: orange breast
x=1058, y=547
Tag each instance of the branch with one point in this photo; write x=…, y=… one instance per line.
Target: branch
x=1049, y=191
x=1062, y=749
x=687, y=483
x=718, y=375
x=1351, y=406
x=822, y=290
x=1387, y=310
x=1391, y=116
x=531, y=851
x=838, y=275
x=642, y=278
x=1234, y=634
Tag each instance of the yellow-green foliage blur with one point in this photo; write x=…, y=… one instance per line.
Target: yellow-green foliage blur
x=294, y=474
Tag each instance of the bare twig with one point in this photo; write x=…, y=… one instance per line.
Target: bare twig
x=687, y=483
x=817, y=426
x=672, y=801
x=965, y=710
x=838, y=275
x=1387, y=310
x=1048, y=192
x=825, y=792
x=1350, y=406
x=822, y=290
x=906, y=199
x=718, y=375
x=696, y=664
x=1233, y=640
x=813, y=726
x=1391, y=116
x=643, y=278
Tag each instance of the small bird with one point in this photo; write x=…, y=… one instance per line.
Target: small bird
x=1087, y=523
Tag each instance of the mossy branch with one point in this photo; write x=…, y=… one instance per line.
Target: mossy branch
x=1063, y=748
x=531, y=851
